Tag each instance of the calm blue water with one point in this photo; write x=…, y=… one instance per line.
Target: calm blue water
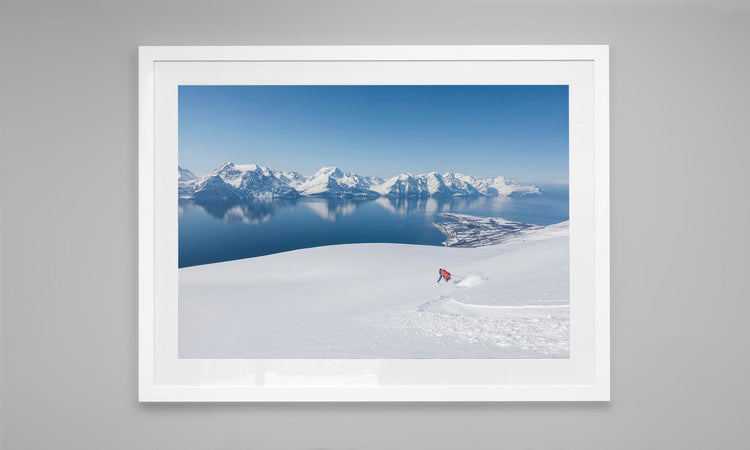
x=215, y=233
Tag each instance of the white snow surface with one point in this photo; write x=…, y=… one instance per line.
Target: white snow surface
x=382, y=301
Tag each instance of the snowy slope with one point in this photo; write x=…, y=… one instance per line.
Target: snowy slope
x=292, y=178
x=458, y=186
x=436, y=185
x=382, y=301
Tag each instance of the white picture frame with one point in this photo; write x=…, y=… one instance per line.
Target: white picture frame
x=585, y=376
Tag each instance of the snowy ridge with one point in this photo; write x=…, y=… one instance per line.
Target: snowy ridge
x=239, y=182
x=332, y=182
x=403, y=185
x=498, y=186
x=292, y=178
x=185, y=175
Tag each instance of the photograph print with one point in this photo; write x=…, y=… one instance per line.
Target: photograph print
x=373, y=222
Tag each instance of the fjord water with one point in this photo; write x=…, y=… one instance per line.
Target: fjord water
x=210, y=233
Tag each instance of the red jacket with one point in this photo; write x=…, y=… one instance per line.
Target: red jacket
x=445, y=274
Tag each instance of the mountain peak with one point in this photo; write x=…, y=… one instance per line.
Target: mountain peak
x=251, y=168
x=331, y=171
x=184, y=175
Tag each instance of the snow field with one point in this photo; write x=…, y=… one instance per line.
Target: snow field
x=382, y=301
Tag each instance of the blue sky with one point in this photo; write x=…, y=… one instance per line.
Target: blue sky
x=520, y=132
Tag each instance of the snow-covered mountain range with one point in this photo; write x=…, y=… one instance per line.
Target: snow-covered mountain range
x=240, y=182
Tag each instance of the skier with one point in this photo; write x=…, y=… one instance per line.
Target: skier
x=444, y=275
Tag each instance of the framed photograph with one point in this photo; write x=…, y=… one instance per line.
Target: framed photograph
x=375, y=223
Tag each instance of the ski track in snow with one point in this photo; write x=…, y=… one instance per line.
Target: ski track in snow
x=528, y=335
x=525, y=330
x=504, y=301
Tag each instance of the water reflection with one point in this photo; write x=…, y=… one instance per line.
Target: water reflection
x=211, y=232
x=407, y=206
x=332, y=209
x=252, y=212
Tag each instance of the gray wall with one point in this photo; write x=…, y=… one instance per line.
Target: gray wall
x=680, y=309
